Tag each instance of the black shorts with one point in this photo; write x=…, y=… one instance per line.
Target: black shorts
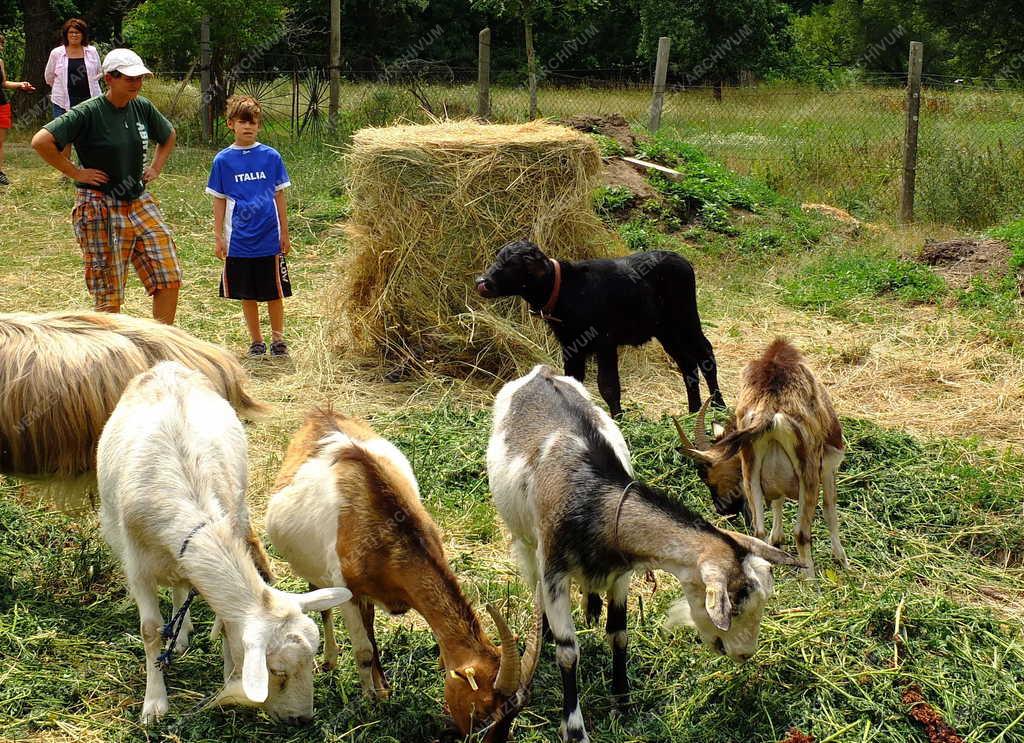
x=260, y=279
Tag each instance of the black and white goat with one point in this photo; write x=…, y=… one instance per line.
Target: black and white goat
x=595, y=306
x=561, y=479
x=171, y=465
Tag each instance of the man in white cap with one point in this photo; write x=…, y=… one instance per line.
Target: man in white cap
x=116, y=221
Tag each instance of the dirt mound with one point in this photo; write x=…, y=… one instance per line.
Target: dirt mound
x=962, y=259
x=840, y=215
x=616, y=172
x=612, y=125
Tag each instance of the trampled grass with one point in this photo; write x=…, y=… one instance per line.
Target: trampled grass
x=926, y=529
x=930, y=498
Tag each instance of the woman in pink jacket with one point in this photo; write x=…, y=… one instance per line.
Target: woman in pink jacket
x=73, y=69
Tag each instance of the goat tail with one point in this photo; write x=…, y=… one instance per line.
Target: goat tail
x=756, y=426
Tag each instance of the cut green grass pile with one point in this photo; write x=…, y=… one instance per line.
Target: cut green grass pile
x=932, y=527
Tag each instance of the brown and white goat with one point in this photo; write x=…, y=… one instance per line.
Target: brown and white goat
x=346, y=512
x=560, y=475
x=785, y=442
x=62, y=373
x=172, y=477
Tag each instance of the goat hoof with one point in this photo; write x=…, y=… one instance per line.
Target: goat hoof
x=153, y=710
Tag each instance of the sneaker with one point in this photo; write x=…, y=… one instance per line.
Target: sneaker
x=259, y=348
x=4, y=181
x=278, y=348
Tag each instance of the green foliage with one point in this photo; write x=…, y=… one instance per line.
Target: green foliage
x=13, y=53
x=707, y=187
x=611, y=201
x=1012, y=233
x=641, y=234
x=968, y=185
x=829, y=282
x=715, y=41
x=166, y=32
x=609, y=147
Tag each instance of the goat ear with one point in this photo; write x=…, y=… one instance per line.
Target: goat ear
x=323, y=598
x=255, y=676
x=231, y=694
x=764, y=550
x=716, y=597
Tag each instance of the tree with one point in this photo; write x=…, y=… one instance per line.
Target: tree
x=715, y=41
x=166, y=32
x=528, y=11
x=40, y=24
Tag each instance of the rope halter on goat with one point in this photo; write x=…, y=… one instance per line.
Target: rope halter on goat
x=173, y=627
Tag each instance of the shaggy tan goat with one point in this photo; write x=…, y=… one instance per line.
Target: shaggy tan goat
x=785, y=442
x=62, y=373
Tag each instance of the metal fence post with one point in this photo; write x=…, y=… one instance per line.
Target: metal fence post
x=660, y=74
x=910, y=139
x=204, y=77
x=483, y=89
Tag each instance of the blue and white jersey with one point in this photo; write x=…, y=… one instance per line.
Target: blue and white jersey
x=249, y=178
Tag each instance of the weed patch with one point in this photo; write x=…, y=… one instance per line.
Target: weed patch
x=830, y=281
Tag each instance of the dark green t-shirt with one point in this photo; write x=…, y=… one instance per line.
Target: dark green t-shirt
x=114, y=140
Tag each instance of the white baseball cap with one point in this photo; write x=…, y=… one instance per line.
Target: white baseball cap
x=126, y=62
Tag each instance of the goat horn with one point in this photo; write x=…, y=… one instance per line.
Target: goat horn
x=510, y=669
x=688, y=449
x=531, y=655
x=699, y=432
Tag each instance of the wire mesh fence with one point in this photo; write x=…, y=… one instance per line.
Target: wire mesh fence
x=842, y=145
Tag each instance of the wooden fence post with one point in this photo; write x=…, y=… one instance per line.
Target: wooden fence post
x=483, y=75
x=660, y=74
x=910, y=139
x=204, y=77
x=332, y=111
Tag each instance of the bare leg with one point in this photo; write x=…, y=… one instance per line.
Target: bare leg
x=615, y=627
x=608, y=380
x=362, y=648
x=777, y=509
x=558, y=610
x=151, y=625
x=165, y=305
x=805, y=516
x=3, y=138
x=752, y=488
x=275, y=309
x=830, y=463
x=251, y=313
x=379, y=679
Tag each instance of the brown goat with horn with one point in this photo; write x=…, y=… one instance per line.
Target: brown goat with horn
x=346, y=512
x=785, y=442
x=62, y=373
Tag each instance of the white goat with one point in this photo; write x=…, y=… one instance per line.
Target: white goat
x=171, y=465
x=561, y=479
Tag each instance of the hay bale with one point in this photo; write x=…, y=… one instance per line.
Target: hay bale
x=430, y=206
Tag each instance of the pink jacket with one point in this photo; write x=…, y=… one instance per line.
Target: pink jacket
x=56, y=74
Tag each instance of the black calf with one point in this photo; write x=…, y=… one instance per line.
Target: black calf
x=595, y=306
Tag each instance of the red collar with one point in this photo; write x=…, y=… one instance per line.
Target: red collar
x=553, y=299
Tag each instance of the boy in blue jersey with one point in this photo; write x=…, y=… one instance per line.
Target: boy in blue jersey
x=247, y=182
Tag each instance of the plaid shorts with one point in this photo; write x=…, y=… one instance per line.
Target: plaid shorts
x=112, y=232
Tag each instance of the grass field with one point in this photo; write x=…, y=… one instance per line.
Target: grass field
x=926, y=378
